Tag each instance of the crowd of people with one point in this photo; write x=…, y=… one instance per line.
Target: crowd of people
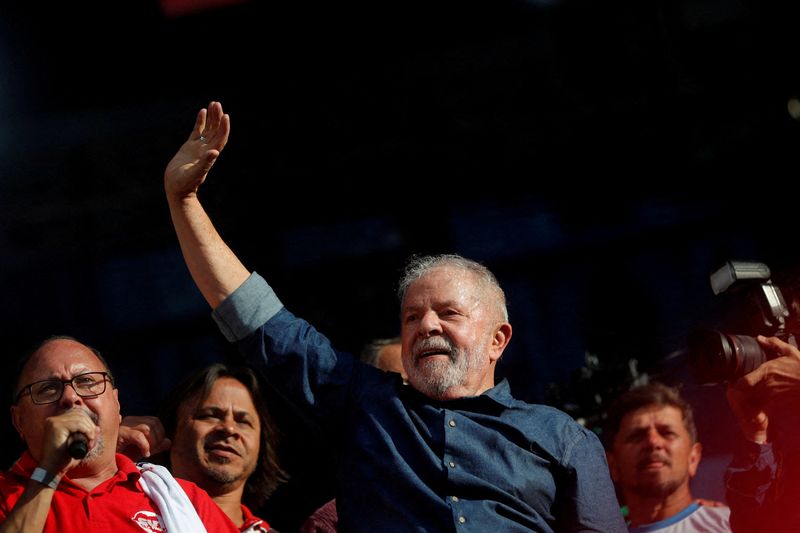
x=425, y=437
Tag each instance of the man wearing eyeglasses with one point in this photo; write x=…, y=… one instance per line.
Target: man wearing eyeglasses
x=65, y=400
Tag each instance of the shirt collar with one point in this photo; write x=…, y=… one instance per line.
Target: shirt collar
x=500, y=395
x=252, y=523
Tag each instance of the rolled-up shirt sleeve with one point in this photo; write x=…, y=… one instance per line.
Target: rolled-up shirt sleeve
x=289, y=352
x=252, y=304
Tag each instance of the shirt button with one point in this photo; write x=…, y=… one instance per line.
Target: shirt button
x=452, y=464
x=461, y=519
x=452, y=423
x=454, y=498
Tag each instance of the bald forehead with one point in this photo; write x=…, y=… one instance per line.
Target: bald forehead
x=56, y=354
x=64, y=347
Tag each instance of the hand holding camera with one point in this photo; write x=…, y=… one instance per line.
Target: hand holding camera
x=716, y=356
x=771, y=391
x=761, y=364
x=762, y=367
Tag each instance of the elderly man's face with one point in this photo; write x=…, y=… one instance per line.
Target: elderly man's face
x=64, y=359
x=452, y=334
x=217, y=441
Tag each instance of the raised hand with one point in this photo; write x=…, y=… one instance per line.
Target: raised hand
x=214, y=267
x=189, y=167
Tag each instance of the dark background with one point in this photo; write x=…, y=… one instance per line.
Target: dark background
x=602, y=158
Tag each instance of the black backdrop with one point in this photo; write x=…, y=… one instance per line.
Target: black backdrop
x=601, y=158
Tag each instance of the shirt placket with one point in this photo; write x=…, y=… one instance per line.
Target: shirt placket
x=452, y=467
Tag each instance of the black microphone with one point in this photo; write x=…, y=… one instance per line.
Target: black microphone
x=77, y=445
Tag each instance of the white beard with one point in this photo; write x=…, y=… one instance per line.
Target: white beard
x=435, y=378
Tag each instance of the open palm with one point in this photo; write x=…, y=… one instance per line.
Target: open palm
x=189, y=167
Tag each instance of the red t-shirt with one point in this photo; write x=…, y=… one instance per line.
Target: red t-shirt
x=116, y=505
x=253, y=524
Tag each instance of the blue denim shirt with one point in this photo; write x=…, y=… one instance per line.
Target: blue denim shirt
x=750, y=483
x=405, y=462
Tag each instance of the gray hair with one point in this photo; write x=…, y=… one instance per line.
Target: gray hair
x=419, y=265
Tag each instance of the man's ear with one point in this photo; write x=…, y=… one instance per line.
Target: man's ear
x=116, y=399
x=16, y=419
x=502, y=335
x=695, y=454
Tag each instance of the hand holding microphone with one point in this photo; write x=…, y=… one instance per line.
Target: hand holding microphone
x=77, y=445
x=78, y=439
x=67, y=437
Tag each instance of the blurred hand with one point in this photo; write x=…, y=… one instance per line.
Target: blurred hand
x=709, y=503
x=142, y=436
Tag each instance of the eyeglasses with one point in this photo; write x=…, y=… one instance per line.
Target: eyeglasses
x=86, y=385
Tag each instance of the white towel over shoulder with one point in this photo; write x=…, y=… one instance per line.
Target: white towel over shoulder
x=178, y=515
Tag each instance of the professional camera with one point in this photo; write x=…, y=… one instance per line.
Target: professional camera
x=717, y=356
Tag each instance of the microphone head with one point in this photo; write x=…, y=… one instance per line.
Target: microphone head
x=78, y=445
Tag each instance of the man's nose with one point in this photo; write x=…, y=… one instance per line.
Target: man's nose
x=227, y=425
x=654, y=438
x=69, y=397
x=429, y=324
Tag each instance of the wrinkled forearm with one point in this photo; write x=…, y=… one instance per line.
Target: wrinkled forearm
x=214, y=267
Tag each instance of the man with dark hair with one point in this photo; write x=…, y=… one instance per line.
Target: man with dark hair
x=224, y=440
x=653, y=452
x=66, y=409
x=450, y=451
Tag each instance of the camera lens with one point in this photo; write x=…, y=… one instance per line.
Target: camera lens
x=717, y=357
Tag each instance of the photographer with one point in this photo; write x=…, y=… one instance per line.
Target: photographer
x=763, y=479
